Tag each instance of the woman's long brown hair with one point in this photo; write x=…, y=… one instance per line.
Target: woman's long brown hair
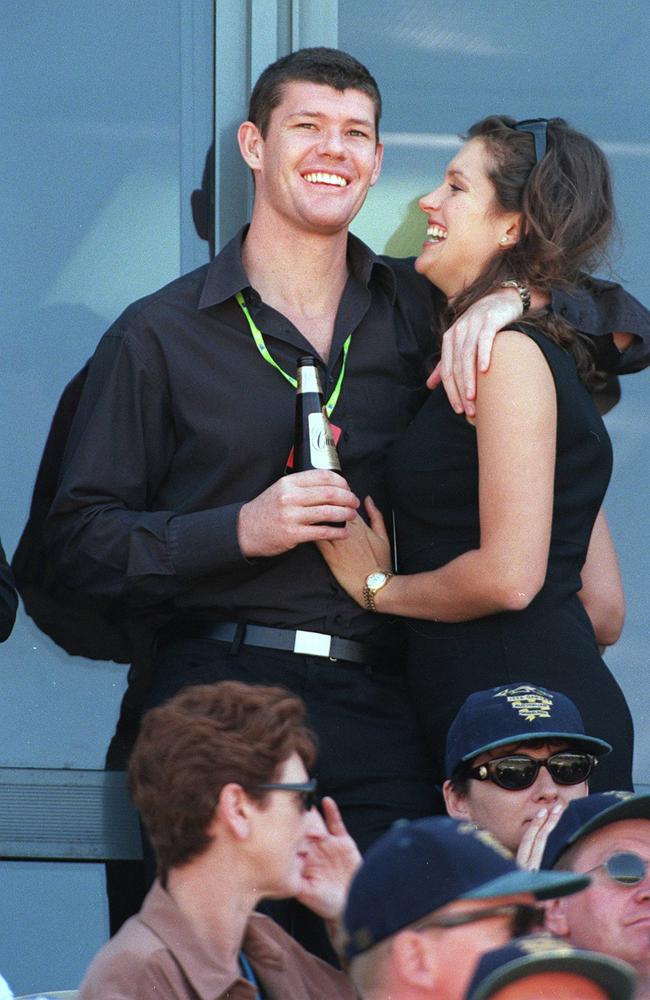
x=567, y=212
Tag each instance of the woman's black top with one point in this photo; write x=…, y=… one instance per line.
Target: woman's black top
x=433, y=479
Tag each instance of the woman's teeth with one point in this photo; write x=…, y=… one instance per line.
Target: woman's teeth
x=435, y=233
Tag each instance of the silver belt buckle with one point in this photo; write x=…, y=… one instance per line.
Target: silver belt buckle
x=312, y=643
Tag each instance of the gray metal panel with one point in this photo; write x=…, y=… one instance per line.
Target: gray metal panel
x=231, y=41
x=315, y=23
x=66, y=815
x=196, y=26
x=247, y=37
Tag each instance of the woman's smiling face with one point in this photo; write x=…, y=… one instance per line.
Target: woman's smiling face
x=465, y=227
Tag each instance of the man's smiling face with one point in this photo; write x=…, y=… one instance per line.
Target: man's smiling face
x=318, y=158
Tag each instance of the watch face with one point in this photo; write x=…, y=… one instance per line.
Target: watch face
x=375, y=580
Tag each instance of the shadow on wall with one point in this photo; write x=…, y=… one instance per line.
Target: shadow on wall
x=406, y=241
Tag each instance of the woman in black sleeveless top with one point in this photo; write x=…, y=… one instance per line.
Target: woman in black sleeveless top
x=495, y=517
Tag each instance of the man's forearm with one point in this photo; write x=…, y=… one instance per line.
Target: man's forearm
x=601, y=309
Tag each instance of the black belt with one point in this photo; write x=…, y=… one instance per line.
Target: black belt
x=332, y=647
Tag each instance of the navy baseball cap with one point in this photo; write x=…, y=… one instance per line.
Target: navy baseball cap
x=543, y=953
x=419, y=866
x=512, y=714
x=590, y=813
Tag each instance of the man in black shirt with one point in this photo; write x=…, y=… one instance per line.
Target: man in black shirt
x=173, y=504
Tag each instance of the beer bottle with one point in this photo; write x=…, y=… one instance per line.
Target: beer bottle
x=313, y=445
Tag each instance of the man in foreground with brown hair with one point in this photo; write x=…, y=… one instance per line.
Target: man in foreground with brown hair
x=220, y=776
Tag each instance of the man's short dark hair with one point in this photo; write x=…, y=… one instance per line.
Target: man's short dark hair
x=202, y=739
x=330, y=67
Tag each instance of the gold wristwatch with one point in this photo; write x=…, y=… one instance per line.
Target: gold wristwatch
x=374, y=583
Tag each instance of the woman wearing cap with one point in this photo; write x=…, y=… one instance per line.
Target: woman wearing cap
x=495, y=515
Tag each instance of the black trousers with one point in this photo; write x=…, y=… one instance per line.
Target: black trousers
x=372, y=757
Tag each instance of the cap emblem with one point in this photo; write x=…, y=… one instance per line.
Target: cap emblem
x=362, y=938
x=529, y=702
x=542, y=944
x=485, y=838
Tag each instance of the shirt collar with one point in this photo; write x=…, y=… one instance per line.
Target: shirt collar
x=367, y=267
x=203, y=966
x=226, y=275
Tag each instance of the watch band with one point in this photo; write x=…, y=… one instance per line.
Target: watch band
x=523, y=290
x=369, y=589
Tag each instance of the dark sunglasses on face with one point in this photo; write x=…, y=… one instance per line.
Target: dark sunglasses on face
x=519, y=771
x=306, y=790
x=522, y=916
x=624, y=867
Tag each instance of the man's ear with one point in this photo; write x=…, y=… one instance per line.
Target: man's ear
x=415, y=960
x=456, y=802
x=555, y=917
x=233, y=811
x=251, y=144
x=379, y=156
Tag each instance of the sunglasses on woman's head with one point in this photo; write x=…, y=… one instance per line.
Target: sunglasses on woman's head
x=517, y=771
x=537, y=127
x=624, y=867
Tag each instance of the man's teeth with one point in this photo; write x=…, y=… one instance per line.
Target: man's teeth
x=321, y=178
x=436, y=233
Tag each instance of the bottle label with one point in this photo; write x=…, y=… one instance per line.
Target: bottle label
x=308, y=380
x=321, y=443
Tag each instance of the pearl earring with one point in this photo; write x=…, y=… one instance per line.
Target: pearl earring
x=504, y=240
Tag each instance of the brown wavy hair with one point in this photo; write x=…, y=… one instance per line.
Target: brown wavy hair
x=567, y=210
x=204, y=738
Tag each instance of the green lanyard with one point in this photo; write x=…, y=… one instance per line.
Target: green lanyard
x=264, y=351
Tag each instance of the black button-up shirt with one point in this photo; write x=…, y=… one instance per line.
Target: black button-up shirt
x=182, y=421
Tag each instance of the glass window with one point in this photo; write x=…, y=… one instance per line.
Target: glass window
x=96, y=178
x=441, y=66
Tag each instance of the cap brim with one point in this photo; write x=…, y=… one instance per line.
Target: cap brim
x=614, y=976
x=542, y=884
x=590, y=743
x=636, y=807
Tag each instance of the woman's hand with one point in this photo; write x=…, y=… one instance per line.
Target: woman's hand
x=467, y=345
x=533, y=842
x=366, y=549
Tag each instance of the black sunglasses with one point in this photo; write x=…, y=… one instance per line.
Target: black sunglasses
x=306, y=790
x=538, y=128
x=523, y=917
x=519, y=771
x=625, y=867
